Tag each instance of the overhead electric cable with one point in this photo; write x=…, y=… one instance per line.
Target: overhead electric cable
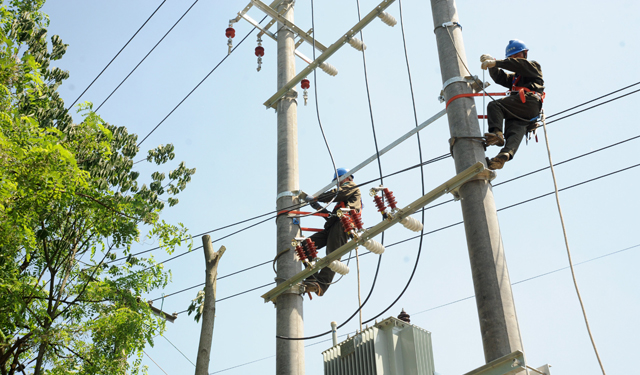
x=117, y=54
x=180, y=351
x=452, y=200
x=593, y=100
x=145, y=56
x=448, y=303
x=199, y=83
x=436, y=159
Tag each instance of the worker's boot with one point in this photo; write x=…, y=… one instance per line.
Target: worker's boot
x=498, y=161
x=496, y=138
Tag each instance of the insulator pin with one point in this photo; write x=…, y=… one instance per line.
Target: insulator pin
x=357, y=44
x=339, y=267
x=230, y=33
x=390, y=198
x=347, y=224
x=357, y=219
x=374, y=246
x=379, y=203
x=388, y=19
x=329, y=69
x=305, y=84
x=259, y=53
x=311, y=250
x=411, y=224
x=300, y=252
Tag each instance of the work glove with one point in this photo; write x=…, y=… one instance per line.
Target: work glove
x=486, y=57
x=488, y=64
x=316, y=206
x=310, y=198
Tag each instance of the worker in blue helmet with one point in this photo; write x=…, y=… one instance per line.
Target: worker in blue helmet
x=333, y=235
x=519, y=108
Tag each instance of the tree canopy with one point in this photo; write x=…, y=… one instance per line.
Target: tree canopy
x=70, y=200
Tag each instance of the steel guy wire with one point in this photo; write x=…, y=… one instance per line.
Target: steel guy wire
x=448, y=303
x=200, y=83
x=117, y=54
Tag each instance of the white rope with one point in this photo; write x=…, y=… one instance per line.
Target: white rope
x=359, y=297
x=566, y=241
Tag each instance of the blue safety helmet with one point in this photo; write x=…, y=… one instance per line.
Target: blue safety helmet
x=341, y=172
x=515, y=46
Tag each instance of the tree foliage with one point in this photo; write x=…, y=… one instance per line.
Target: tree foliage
x=70, y=201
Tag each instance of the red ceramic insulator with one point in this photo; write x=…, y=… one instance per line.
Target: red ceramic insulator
x=390, y=198
x=347, y=225
x=357, y=219
x=312, y=250
x=230, y=32
x=300, y=251
x=305, y=84
x=259, y=51
x=379, y=203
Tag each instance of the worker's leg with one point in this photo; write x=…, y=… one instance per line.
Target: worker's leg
x=516, y=129
x=336, y=238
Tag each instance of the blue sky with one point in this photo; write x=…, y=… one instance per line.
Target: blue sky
x=586, y=49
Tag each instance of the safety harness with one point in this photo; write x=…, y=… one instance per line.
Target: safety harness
x=521, y=90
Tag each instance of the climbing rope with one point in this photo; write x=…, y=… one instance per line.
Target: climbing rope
x=566, y=242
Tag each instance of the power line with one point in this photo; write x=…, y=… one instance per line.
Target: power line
x=436, y=159
x=180, y=351
x=147, y=55
x=439, y=204
x=449, y=303
x=145, y=353
x=199, y=83
x=461, y=222
x=117, y=54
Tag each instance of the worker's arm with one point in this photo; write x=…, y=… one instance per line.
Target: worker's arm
x=500, y=77
x=343, y=195
x=524, y=67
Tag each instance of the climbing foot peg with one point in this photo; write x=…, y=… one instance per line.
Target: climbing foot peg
x=496, y=139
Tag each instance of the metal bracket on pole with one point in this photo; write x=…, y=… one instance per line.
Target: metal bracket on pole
x=507, y=365
x=272, y=101
x=476, y=84
x=370, y=233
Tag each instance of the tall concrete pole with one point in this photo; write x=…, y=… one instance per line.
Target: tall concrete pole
x=289, y=323
x=496, y=309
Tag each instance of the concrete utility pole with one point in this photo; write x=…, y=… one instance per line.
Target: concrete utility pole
x=289, y=323
x=496, y=309
x=209, y=311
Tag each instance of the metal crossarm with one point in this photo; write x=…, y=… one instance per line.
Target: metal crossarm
x=452, y=184
x=507, y=365
x=276, y=16
x=273, y=101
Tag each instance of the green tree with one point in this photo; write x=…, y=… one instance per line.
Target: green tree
x=69, y=200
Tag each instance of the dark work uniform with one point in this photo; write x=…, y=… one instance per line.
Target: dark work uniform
x=530, y=76
x=333, y=236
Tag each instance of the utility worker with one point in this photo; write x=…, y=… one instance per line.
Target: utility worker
x=520, y=108
x=333, y=236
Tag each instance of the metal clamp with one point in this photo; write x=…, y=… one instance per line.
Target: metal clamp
x=448, y=24
x=476, y=84
x=293, y=193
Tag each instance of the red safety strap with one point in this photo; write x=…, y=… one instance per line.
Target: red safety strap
x=522, y=90
x=303, y=213
x=311, y=229
x=475, y=94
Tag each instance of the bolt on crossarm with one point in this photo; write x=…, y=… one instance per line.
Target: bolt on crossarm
x=494, y=299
